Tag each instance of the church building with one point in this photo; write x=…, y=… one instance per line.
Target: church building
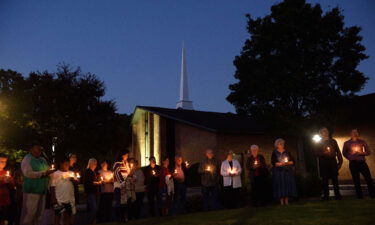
x=166, y=132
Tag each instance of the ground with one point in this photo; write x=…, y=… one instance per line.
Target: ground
x=306, y=212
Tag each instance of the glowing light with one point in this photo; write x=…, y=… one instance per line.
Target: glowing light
x=7, y=174
x=317, y=138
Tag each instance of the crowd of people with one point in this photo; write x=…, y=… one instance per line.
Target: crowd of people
x=118, y=192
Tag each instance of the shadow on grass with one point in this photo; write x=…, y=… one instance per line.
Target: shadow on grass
x=348, y=212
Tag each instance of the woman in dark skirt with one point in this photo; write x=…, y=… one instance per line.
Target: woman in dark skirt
x=283, y=182
x=258, y=174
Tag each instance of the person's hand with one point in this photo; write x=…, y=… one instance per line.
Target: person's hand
x=279, y=164
x=6, y=179
x=49, y=172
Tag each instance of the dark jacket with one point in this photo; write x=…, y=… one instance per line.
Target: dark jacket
x=151, y=180
x=261, y=170
x=330, y=158
x=209, y=178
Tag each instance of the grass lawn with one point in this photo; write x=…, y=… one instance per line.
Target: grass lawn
x=344, y=212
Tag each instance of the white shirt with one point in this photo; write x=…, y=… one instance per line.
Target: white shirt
x=225, y=171
x=64, y=188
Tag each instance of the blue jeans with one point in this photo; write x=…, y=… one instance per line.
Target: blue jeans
x=210, y=198
x=92, y=207
x=179, y=198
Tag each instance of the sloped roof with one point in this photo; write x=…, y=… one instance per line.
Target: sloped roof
x=213, y=121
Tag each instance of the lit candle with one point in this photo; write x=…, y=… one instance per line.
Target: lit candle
x=286, y=159
x=187, y=164
x=72, y=175
x=256, y=162
x=131, y=165
x=52, y=166
x=153, y=172
x=101, y=178
x=7, y=174
x=232, y=171
x=208, y=168
x=175, y=171
x=78, y=176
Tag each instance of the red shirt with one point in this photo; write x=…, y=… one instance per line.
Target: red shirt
x=163, y=173
x=4, y=189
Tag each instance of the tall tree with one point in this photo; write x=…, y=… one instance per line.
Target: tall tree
x=66, y=104
x=297, y=63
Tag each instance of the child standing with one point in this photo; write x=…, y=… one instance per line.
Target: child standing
x=6, y=185
x=62, y=190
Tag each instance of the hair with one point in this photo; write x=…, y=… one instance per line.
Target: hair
x=121, y=153
x=165, y=158
x=278, y=141
x=91, y=160
x=254, y=147
x=71, y=154
x=2, y=155
x=209, y=150
x=177, y=156
x=152, y=158
x=64, y=159
x=230, y=152
x=32, y=144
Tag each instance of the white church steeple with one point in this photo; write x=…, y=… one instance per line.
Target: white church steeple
x=184, y=102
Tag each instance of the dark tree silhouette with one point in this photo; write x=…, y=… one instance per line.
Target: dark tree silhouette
x=297, y=64
x=66, y=104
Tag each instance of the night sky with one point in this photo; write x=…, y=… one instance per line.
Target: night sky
x=135, y=46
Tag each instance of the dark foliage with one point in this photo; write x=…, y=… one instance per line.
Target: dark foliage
x=297, y=64
x=66, y=104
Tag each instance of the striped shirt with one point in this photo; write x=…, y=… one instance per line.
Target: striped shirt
x=121, y=171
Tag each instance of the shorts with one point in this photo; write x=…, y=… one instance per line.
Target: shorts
x=64, y=208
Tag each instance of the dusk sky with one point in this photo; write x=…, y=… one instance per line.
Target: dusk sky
x=135, y=46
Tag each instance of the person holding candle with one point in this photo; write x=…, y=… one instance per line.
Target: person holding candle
x=6, y=186
x=140, y=188
x=91, y=183
x=151, y=173
x=180, y=173
x=258, y=174
x=166, y=188
x=121, y=171
x=62, y=193
x=209, y=171
x=356, y=150
x=283, y=181
x=231, y=172
x=106, y=193
x=330, y=162
x=35, y=185
x=73, y=166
